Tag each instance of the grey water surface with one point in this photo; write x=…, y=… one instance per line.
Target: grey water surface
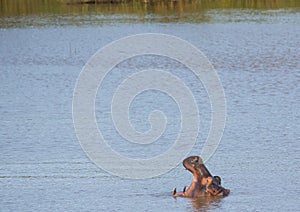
x=43, y=168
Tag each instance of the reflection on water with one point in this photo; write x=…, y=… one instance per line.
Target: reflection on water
x=15, y=13
x=205, y=204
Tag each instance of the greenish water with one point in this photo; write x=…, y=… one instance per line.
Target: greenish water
x=15, y=13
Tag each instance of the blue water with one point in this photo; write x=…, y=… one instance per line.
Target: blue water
x=42, y=166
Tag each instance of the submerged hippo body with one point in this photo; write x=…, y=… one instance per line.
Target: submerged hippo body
x=203, y=184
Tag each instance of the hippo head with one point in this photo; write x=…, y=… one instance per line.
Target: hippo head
x=203, y=184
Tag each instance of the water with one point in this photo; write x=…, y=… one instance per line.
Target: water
x=43, y=167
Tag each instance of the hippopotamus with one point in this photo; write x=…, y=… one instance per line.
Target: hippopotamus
x=203, y=184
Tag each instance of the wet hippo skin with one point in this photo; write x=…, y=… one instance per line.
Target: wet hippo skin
x=203, y=184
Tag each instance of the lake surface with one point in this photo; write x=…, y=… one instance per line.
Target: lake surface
x=256, y=53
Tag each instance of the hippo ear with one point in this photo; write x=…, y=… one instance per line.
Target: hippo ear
x=174, y=192
x=218, y=179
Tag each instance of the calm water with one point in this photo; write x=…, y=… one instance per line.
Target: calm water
x=42, y=166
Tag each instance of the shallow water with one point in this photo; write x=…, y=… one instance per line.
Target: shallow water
x=42, y=166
